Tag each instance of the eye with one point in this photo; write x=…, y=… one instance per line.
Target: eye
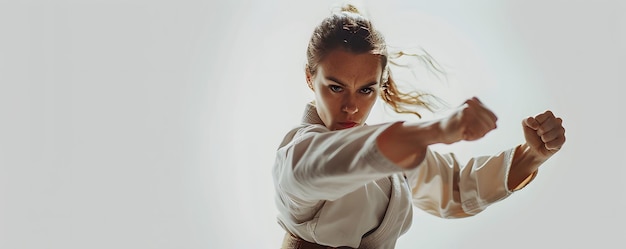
x=367, y=90
x=335, y=88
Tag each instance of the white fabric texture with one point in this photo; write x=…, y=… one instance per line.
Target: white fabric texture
x=335, y=188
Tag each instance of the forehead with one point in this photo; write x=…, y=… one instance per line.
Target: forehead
x=343, y=64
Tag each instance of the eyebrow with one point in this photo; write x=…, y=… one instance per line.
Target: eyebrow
x=344, y=85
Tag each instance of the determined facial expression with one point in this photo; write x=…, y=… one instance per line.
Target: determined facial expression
x=346, y=87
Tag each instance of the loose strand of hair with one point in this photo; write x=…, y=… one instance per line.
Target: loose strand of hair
x=425, y=58
x=407, y=102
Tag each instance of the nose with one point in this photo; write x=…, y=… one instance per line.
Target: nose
x=350, y=106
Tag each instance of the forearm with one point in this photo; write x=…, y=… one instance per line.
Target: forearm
x=405, y=143
x=446, y=187
x=525, y=163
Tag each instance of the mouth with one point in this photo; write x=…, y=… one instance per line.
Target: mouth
x=346, y=125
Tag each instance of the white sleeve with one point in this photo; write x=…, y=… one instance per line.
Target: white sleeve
x=442, y=188
x=315, y=164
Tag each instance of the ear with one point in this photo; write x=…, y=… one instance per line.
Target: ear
x=309, y=78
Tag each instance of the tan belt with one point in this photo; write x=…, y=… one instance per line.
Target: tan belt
x=293, y=242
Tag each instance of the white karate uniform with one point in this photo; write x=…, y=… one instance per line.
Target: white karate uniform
x=335, y=188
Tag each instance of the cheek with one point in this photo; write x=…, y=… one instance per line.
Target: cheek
x=324, y=102
x=369, y=100
x=366, y=105
x=327, y=98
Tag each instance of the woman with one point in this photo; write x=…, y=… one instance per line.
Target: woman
x=341, y=183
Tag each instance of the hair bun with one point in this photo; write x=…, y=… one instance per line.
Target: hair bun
x=350, y=8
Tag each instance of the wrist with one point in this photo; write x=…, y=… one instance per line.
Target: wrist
x=525, y=160
x=532, y=154
x=524, y=167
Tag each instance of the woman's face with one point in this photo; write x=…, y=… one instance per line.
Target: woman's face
x=345, y=87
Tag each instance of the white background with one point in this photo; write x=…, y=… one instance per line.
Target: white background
x=153, y=124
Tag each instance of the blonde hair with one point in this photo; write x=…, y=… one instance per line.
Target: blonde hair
x=348, y=29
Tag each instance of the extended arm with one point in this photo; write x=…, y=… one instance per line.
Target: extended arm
x=443, y=187
x=314, y=163
x=405, y=143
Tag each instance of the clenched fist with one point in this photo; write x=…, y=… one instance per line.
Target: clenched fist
x=544, y=133
x=469, y=122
